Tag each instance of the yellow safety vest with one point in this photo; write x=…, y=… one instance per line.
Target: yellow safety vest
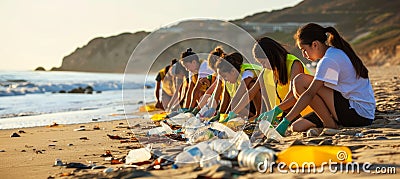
x=232, y=87
x=280, y=89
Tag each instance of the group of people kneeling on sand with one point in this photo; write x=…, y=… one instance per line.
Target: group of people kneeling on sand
x=338, y=94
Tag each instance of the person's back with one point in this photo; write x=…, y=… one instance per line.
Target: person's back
x=357, y=90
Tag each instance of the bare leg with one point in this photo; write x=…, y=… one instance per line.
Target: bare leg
x=322, y=103
x=301, y=125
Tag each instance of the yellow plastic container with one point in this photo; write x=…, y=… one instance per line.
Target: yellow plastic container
x=147, y=108
x=302, y=156
x=159, y=116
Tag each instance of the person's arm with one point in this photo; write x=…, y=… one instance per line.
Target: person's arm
x=188, y=95
x=175, y=98
x=204, y=99
x=241, y=91
x=197, y=93
x=225, y=101
x=157, y=94
x=247, y=97
x=289, y=99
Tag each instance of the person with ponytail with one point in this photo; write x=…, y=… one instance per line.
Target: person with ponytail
x=276, y=79
x=238, y=78
x=198, y=78
x=340, y=93
x=213, y=95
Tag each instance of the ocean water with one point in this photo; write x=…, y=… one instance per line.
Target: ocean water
x=30, y=99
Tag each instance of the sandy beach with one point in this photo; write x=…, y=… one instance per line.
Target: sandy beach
x=33, y=154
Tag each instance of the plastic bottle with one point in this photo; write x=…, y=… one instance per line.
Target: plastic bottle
x=241, y=141
x=156, y=131
x=269, y=131
x=138, y=155
x=200, y=135
x=167, y=129
x=179, y=119
x=254, y=157
x=194, y=154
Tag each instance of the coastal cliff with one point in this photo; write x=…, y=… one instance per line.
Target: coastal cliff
x=372, y=27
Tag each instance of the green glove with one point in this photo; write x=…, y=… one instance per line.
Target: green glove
x=185, y=110
x=230, y=116
x=195, y=111
x=270, y=116
x=282, y=126
x=216, y=117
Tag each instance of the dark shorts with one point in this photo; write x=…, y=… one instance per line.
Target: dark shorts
x=347, y=117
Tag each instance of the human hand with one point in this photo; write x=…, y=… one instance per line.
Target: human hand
x=270, y=116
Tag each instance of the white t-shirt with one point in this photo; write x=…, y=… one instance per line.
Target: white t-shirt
x=204, y=70
x=338, y=73
x=247, y=73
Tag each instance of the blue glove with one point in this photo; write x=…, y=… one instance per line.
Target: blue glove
x=270, y=116
x=282, y=126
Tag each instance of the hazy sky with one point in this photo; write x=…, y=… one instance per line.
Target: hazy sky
x=41, y=32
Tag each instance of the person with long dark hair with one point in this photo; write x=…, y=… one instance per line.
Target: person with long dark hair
x=280, y=68
x=340, y=93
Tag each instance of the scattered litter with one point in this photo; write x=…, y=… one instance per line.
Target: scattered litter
x=138, y=155
x=381, y=138
x=251, y=158
x=77, y=165
x=21, y=131
x=65, y=174
x=107, y=154
x=54, y=124
x=58, y=162
x=359, y=134
x=108, y=170
x=83, y=138
x=330, y=132
x=80, y=129
x=98, y=167
x=116, y=137
x=313, y=132
x=15, y=135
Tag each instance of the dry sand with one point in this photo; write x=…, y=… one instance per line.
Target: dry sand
x=34, y=153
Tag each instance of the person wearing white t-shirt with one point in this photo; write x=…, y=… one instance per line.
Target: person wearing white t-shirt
x=340, y=93
x=198, y=77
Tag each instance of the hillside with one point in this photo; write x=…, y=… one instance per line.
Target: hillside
x=371, y=26
x=103, y=54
